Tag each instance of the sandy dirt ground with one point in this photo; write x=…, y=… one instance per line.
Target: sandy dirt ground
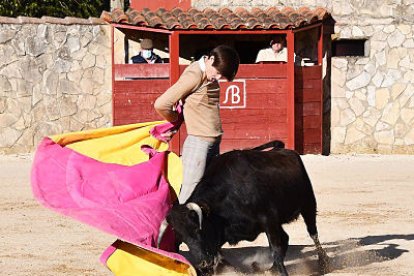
x=365, y=221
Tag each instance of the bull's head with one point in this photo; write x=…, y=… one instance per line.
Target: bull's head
x=189, y=227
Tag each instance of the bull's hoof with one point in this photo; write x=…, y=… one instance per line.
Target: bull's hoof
x=324, y=264
x=278, y=271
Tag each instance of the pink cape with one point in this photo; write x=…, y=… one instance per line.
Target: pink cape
x=129, y=202
x=111, y=197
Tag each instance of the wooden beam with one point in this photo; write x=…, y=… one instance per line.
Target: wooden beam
x=291, y=91
x=174, y=45
x=320, y=62
x=113, y=70
x=320, y=45
x=138, y=28
x=230, y=32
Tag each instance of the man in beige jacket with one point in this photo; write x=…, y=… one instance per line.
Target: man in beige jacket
x=198, y=88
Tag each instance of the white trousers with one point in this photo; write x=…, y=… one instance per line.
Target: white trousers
x=196, y=156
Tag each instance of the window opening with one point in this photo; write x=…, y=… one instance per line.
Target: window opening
x=349, y=47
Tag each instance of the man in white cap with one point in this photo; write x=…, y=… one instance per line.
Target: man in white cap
x=146, y=55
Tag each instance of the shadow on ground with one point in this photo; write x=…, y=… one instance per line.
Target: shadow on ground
x=355, y=252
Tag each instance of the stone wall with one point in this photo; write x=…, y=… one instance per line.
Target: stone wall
x=372, y=97
x=54, y=78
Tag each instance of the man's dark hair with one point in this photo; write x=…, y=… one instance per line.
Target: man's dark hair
x=226, y=61
x=278, y=39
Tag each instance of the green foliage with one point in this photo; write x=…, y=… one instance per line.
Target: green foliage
x=56, y=8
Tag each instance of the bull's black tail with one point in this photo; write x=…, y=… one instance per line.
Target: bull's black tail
x=273, y=145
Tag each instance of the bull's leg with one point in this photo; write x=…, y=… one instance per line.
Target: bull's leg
x=278, y=241
x=323, y=258
x=309, y=216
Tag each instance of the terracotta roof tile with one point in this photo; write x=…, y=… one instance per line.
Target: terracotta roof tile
x=192, y=11
x=167, y=16
x=303, y=10
x=205, y=24
x=176, y=11
x=106, y=16
x=322, y=13
x=221, y=19
x=208, y=12
x=161, y=11
x=150, y=15
x=272, y=10
x=118, y=16
x=242, y=13
x=155, y=21
x=145, y=11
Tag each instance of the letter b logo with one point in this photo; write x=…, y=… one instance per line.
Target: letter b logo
x=233, y=94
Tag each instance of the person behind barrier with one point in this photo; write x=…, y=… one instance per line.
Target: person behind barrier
x=146, y=55
x=276, y=51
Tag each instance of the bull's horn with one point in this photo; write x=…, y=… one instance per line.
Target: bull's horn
x=195, y=207
x=163, y=227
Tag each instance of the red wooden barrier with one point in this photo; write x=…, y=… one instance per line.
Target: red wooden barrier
x=308, y=109
x=260, y=117
x=133, y=100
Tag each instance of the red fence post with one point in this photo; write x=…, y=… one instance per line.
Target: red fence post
x=174, y=45
x=291, y=91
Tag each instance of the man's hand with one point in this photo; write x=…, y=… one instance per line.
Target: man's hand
x=169, y=134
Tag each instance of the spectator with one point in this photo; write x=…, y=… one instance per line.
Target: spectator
x=146, y=55
x=275, y=52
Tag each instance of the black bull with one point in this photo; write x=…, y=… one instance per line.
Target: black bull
x=242, y=194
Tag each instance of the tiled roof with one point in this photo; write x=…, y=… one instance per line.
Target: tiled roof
x=222, y=19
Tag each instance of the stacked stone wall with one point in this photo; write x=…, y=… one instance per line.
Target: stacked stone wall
x=371, y=97
x=54, y=78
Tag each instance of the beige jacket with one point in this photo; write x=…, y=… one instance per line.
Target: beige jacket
x=201, y=102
